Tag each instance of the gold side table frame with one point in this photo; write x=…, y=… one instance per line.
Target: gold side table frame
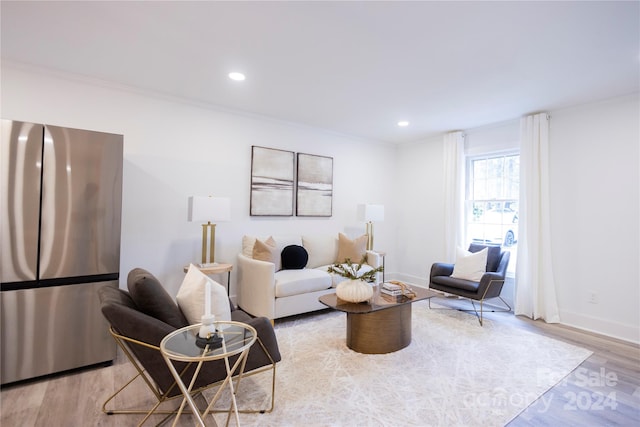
x=180, y=346
x=125, y=344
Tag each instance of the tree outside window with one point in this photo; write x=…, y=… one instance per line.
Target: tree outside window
x=493, y=190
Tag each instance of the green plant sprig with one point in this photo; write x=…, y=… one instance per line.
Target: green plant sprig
x=350, y=270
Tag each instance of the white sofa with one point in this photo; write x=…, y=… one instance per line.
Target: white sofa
x=263, y=290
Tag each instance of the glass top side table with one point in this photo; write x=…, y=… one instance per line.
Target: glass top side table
x=180, y=345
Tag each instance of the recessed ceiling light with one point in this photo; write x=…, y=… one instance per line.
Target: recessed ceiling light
x=236, y=76
x=403, y=123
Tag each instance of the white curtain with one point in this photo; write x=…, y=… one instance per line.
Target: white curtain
x=454, y=192
x=535, y=287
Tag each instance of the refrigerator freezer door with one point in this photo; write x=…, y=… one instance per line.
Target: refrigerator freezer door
x=81, y=203
x=21, y=163
x=52, y=329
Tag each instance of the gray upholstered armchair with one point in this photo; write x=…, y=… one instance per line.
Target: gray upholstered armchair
x=489, y=286
x=143, y=316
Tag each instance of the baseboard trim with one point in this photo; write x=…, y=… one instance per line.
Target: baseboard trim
x=407, y=278
x=599, y=326
x=620, y=331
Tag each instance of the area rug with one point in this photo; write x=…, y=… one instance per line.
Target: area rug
x=454, y=373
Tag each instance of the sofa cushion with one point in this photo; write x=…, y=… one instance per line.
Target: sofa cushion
x=295, y=282
x=354, y=249
x=133, y=323
x=284, y=241
x=470, y=265
x=294, y=257
x=192, y=293
x=453, y=283
x=152, y=299
x=267, y=251
x=322, y=249
x=240, y=316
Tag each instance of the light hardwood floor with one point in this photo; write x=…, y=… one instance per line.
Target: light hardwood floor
x=603, y=391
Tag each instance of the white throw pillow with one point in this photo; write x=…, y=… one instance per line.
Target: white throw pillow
x=469, y=265
x=191, y=297
x=247, y=245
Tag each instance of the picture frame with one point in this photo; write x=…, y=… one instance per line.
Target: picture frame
x=272, y=182
x=314, y=185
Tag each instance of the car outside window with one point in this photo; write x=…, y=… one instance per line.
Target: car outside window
x=493, y=190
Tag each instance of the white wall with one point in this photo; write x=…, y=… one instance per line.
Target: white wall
x=595, y=215
x=494, y=138
x=595, y=212
x=420, y=226
x=173, y=150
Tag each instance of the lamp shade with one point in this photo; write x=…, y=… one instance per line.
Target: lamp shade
x=371, y=213
x=209, y=209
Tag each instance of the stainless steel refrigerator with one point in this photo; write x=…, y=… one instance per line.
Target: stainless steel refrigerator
x=60, y=217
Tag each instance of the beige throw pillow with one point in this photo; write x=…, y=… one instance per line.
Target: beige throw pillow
x=267, y=251
x=351, y=249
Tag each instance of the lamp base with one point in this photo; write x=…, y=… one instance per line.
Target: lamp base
x=369, y=236
x=208, y=241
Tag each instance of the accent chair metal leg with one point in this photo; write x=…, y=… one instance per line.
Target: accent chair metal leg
x=480, y=315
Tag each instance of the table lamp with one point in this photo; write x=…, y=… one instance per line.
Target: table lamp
x=370, y=213
x=209, y=209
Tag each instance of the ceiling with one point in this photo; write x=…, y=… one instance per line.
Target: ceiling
x=354, y=68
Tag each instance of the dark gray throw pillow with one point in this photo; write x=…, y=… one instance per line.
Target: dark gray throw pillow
x=152, y=299
x=294, y=257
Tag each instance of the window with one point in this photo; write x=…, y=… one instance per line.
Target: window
x=493, y=190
